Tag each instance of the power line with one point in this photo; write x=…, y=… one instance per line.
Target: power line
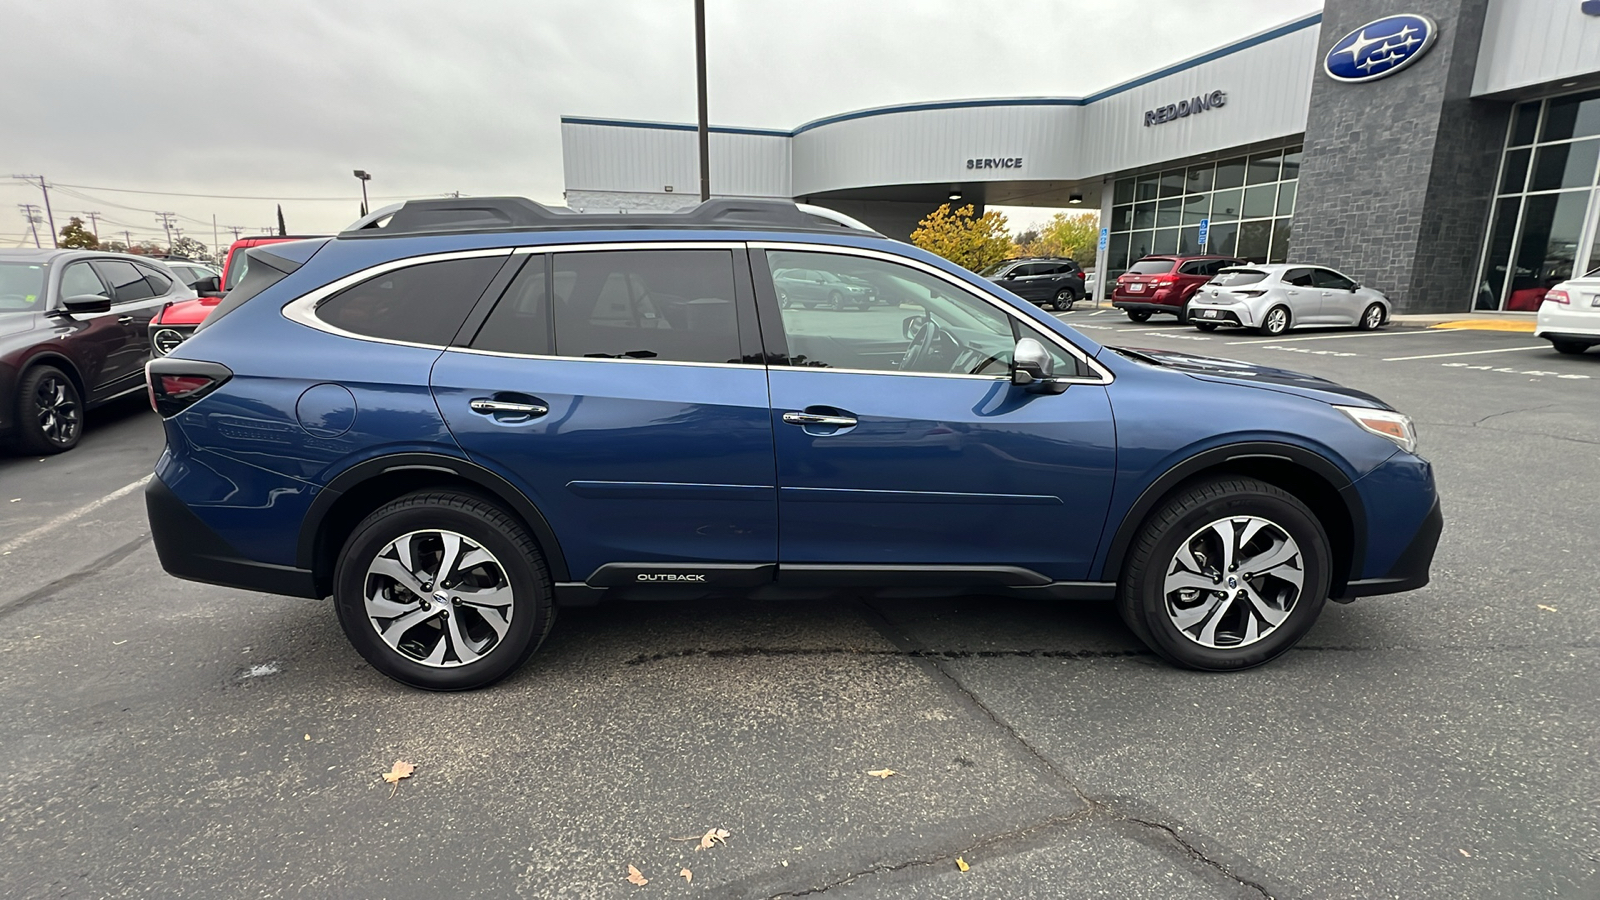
x=90, y=187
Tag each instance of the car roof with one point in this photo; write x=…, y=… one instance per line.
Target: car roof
x=466, y=215
x=54, y=254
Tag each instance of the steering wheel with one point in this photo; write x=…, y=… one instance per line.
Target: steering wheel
x=921, y=347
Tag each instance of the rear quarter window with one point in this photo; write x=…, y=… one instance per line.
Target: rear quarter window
x=420, y=304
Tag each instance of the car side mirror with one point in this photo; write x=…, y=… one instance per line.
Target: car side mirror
x=87, y=303
x=1031, y=367
x=212, y=285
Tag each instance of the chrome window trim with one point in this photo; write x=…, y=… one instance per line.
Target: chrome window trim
x=1104, y=374
x=602, y=359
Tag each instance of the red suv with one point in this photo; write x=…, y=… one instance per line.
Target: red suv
x=1164, y=284
x=173, y=325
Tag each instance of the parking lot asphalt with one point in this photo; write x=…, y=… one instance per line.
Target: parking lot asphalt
x=165, y=738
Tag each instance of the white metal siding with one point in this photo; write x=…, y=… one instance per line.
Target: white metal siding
x=1528, y=43
x=630, y=158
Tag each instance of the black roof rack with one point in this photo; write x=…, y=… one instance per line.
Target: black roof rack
x=468, y=214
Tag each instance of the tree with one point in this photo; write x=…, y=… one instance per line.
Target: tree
x=189, y=248
x=1073, y=235
x=972, y=242
x=114, y=247
x=147, y=248
x=76, y=237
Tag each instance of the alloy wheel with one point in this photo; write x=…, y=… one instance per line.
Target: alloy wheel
x=56, y=404
x=1374, y=317
x=1277, y=321
x=438, y=598
x=1233, y=582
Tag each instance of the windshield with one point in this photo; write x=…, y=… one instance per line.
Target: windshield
x=995, y=269
x=241, y=260
x=1237, y=277
x=1151, y=267
x=21, y=287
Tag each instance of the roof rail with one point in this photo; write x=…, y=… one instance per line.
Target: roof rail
x=469, y=214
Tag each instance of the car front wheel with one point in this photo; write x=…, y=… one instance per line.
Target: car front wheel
x=1372, y=319
x=1205, y=326
x=1570, y=347
x=1227, y=575
x=443, y=591
x=49, y=411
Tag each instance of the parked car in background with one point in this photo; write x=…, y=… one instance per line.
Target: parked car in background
x=1164, y=284
x=805, y=288
x=175, y=323
x=1051, y=282
x=199, y=277
x=1569, y=317
x=72, y=336
x=486, y=408
x=1276, y=298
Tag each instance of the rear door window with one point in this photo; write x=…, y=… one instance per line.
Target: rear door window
x=1331, y=281
x=670, y=305
x=421, y=304
x=127, y=282
x=520, y=322
x=1298, y=278
x=159, y=283
x=1238, y=277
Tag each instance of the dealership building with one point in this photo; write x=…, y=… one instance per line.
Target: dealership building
x=1446, y=152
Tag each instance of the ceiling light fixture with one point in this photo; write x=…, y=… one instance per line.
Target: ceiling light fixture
x=1075, y=198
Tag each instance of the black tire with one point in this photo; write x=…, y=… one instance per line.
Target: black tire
x=1064, y=300
x=835, y=301
x=1139, y=315
x=1205, y=326
x=1144, y=608
x=783, y=300
x=1272, y=326
x=49, y=412
x=523, y=566
x=1570, y=347
x=1372, y=318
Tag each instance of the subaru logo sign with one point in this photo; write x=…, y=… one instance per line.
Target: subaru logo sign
x=1381, y=48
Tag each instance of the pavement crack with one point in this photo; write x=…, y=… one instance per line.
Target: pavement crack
x=1195, y=854
x=46, y=592
x=1511, y=411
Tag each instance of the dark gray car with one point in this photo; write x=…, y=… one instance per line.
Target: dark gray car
x=72, y=336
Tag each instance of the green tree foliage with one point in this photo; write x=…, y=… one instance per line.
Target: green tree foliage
x=1073, y=235
x=189, y=248
x=76, y=237
x=147, y=248
x=973, y=242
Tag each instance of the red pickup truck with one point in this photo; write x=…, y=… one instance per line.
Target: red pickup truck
x=173, y=325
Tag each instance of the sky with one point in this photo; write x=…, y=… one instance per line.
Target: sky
x=252, y=104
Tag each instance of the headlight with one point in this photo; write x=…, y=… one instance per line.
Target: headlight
x=1384, y=423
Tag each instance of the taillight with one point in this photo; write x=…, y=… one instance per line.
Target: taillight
x=1248, y=293
x=175, y=384
x=1166, y=279
x=1557, y=297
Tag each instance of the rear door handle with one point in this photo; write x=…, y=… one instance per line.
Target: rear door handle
x=801, y=418
x=494, y=407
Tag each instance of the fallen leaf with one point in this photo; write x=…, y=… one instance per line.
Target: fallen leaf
x=1464, y=853
x=634, y=877
x=712, y=837
x=1547, y=608
x=962, y=864
x=883, y=773
x=308, y=737
x=688, y=876
x=401, y=770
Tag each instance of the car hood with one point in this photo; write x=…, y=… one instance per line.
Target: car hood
x=1233, y=371
x=188, y=312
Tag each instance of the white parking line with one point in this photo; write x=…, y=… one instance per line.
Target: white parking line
x=64, y=518
x=1338, y=337
x=1464, y=353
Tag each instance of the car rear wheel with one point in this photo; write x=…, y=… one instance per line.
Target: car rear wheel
x=1572, y=347
x=49, y=411
x=1139, y=315
x=1064, y=300
x=1227, y=575
x=1275, y=322
x=443, y=591
x=1372, y=319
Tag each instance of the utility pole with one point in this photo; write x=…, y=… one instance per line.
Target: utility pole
x=166, y=223
x=31, y=179
x=236, y=229
x=363, y=176
x=94, y=221
x=700, y=75
x=127, y=241
x=214, y=239
x=31, y=213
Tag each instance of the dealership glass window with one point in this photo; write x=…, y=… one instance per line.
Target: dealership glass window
x=1172, y=183
x=1123, y=192
x=1216, y=192
x=1117, y=248
x=1147, y=188
x=1543, y=222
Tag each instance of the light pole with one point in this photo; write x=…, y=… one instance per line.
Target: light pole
x=700, y=79
x=365, y=177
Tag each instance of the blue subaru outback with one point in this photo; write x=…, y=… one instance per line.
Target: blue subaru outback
x=460, y=415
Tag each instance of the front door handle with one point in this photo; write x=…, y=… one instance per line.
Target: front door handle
x=500, y=407
x=125, y=320
x=801, y=418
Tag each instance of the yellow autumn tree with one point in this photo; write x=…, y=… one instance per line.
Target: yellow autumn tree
x=972, y=242
x=1072, y=235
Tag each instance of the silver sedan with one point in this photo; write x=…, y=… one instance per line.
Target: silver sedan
x=1275, y=298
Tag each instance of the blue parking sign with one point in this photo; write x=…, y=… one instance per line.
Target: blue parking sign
x=1105, y=237
x=1205, y=231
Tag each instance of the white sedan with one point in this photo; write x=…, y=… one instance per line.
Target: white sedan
x=1569, y=317
x=1276, y=298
